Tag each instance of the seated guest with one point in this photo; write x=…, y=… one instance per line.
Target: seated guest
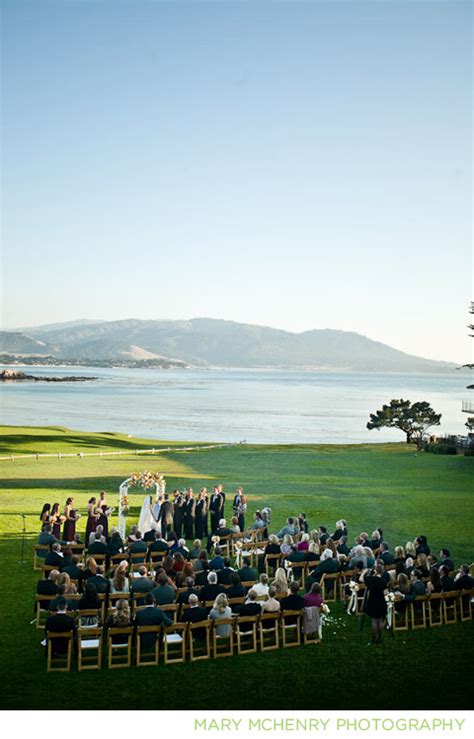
x=196, y=549
x=48, y=586
x=172, y=541
x=201, y=575
x=70, y=588
x=286, y=545
x=375, y=541
x=217, y=562
x=219, y=611
x=399, y=555
x=386, y=555
x=463, y=580
x=402, y=589
x=120, y=619
x=55, y=558
x=341, y=530
x=224, y=575
x=369, y=556
x=89, y=602
x=223, y=530
x=273, y=546
x=132, y=534
x=190, y=590
x=151, y=615
x=119, y=583
x=410, y=550
x=418, y=587
x=142, y=583
x=447, y=582
x=91, y=568
x=327, y=564
x=97, y=544
x=445, y=559
x=421, y=545
x=423, y=565
x=357, y=557
x=46, y=538
x=234, y=525
x=195, y=613
x=163, y=592
x=178, y=562
x=434, y=584
x=159, y=545
x=314, y=597
x=289, y=529
x=251, y=607
x=167, y=565
x=100, y=581
x=271, y=604
x=261, y=588
x=97, y=535
x=302, y=523
x=280, y=582
x=74, y=571
x=182, y=576
x=211, y=590
x=323, y=535
x=258, y=522
x=115, y=545
x=182, y=549
x=71, y=604
x=138, y=547
x=198, y=563
x=303, y=544
x=236, y=589
x=246, y=572
x=296, y=555
x=60, y=622
x=292, y=602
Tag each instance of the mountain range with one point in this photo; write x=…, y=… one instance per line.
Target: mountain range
x=207, y=342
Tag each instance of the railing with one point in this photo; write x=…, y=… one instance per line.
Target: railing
x=467, y=406
x=124, y=452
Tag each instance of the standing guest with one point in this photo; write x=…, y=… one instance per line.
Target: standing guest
x=216, y=507
x=375, y=605
x=92, y=518
x=60, y=622
x=56, y=520
x=120, y=619
x=119, y=583
x=166, y=516
x=241, y=511
x=220, y=611
x=45, y=515
x=103, y=511
x=202, y=508
x=280, y=583
x=271, y=604
x=179, y=502
x=150, y=615
x=70, y=518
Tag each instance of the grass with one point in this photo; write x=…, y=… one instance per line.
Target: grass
x=387, y=485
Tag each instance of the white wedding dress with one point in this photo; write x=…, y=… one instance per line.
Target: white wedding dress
x=146, y=521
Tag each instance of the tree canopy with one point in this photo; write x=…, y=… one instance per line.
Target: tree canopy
x=413, y=420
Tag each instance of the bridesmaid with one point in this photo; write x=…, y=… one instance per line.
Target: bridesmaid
x=69, y=531
x=45, y=516
x=92, y=517
x=103, y=519
x=56, y=520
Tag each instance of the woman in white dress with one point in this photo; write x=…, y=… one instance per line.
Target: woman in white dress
x=147, y=521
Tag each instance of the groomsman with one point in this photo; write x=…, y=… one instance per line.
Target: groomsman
x=202, y=508
x=189, y=514
x=178, y=514
x=216, y=507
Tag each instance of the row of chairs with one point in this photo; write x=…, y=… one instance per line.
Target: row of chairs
x=177, y=643
x=437, y=609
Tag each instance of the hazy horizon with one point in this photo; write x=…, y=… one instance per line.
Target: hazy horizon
x=294, y=165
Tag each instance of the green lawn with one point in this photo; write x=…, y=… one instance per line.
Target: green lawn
x=386, y=485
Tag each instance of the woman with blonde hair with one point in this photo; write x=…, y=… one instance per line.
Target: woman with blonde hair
x=219, y=611
x=423, y=564
x=303, y=544
x=120, y=583
x=69, y=587
x=120, y=619
x=399, y=554
x=91, y=568
x=410, y=550
x=280, y=583
x=286, y=545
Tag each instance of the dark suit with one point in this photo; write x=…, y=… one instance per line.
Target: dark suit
x=53, y=559
x=248, y=609
x=60, y=622
x=236, y=591
x=139, y=547
x=447, y=583
x=189, y=516
x=158, y=546
x=217, y=563
x=164, y=595
x=151, y=616
x=202, y=508
x=166, y=517
x=464, y=582
x=216, y=506
x=101, y=583
x=247, y=573
x=193, y=615
x=184, y=596
x=329, y=565
x=142, y=585
x=97, y=547
x=178, y=515
x=292, y=603
x=388, y=558
x=210, y=592
x=224, y=576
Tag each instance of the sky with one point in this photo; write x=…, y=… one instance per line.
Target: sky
x=293, y=164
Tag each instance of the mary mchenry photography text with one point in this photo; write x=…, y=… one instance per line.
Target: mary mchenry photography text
x=363, y=724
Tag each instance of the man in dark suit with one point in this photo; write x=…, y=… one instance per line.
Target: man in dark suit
x=212, y=589
x=247, y=573
x=296, y=556
x=150, y=616
x=60, y=622
x=55, y=558
x=194, y=614
x=327, y=564
x=236, y=589
x=166, y=515
x=100, y=581
x=445, y=559
x=251, y=607
x=97, y=546
x=182, y=549
x=447, y=582
x=464, y=581
x=46, y=538
x=292, y=602
x=158, y=545
x=142, y=584
x=73, y=570
x=216, y=507
x=178, y=512
x=217, y=562
x=190, y=590
x=138, y=547
x=323, y=534
x=388, y=558
x=189, y=514
x=224, y=575
x=164, y=593
x=343, y=548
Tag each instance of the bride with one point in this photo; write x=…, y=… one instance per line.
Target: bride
x=147, y=521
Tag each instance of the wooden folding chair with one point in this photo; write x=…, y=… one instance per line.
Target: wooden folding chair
x=42, y=613
x=138, y=599
x=103, y=602
x=465, y=604
x=248, y=584
x=137, y=560
x=272, y=562
x=119, y=653
x=171, y=610
x=115, y=560
x=225, y=545
x=88, y=618
x=89, y=648
x=344, y=579
x=418, y=612
x=155, y=559
x=268, y=631
x=99, y=558
x=246, y=638
x=450, y=606
x=236, y=601
x=401, y=618
x=299, y=571
x=199, y=649
x=435, y=609
x=39, y=553
x=47, y=569
x=329, y=585
x=291, y=628
x=311, y=638
x=59, y=661
x=147, y=656
x=114, y=598
x=223, y=646
x=174, y=643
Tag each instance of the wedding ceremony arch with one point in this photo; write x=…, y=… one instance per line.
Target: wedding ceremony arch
x=146, y=481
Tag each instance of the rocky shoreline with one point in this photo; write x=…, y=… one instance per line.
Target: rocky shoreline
x=13, y=375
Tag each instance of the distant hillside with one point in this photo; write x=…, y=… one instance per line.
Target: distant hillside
x=210, y=342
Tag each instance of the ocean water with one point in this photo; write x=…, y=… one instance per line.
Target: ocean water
x=260, y=406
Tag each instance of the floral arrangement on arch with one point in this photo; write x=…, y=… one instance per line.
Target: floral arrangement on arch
x=146, y=479
x=124, y=504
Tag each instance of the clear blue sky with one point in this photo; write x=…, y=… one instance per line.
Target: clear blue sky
x=294, y=164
